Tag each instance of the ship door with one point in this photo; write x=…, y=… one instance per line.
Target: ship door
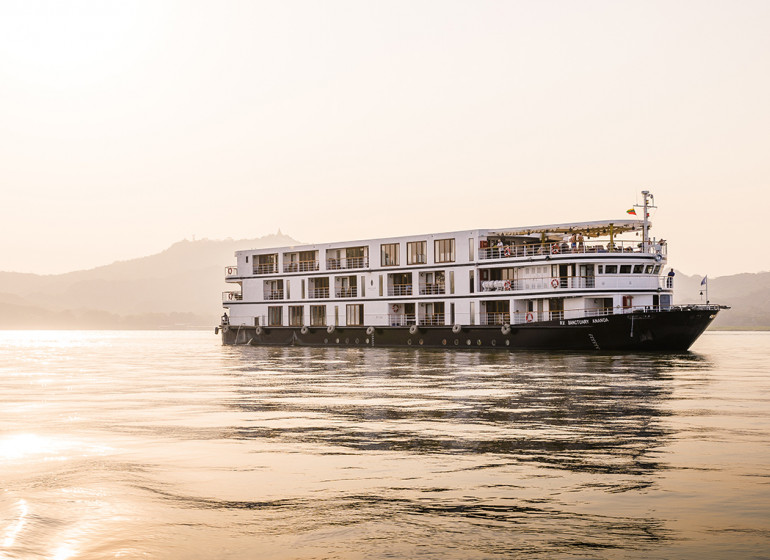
x=628, y=302
x=409, y=313
x=563, y=274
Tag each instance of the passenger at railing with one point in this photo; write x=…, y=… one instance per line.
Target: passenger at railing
x=581, y=246
x=498, y=248
x=573, y=243
x=670, y=279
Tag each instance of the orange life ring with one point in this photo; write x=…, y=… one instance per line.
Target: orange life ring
x=507, y=284
x=395, y=308
x=229, y=270
x=555, y=249
x=555, y=283
x=529, y=317
x=230, y=296
x=507, y=251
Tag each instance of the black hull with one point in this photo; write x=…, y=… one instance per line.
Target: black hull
x=672, y=330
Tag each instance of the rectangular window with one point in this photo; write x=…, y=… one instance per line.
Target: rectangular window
x=444, y=250
x=295, y=315
x=389, y=254
x=354, y=314
x=472, y=281
x=451, y=281
x=611, y=269
x=274, y=316
x=473, y=313
x=317, y=315
x=648, y=269
x=600, y=269
x=638, y=268
x=470, y=249
x=625, y=269
x=363, y=286
x=417, y=252
x=265, y=264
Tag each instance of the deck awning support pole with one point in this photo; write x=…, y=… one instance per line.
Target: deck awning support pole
x=612, y=239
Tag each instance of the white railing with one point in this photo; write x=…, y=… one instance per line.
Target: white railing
x=495, y=318
x=434, y=319
x=231, y=296
x=273, y=294
x=231, y=271
x=400, y=290
x=345, y=292
x=318, y=293
x=401, y=320
x=536, y=249
x=346, y=263
x=428, y=289
x=601, y=282
x=268, y=268
x=300, y=266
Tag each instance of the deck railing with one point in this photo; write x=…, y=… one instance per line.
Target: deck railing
x=318, y=293
x=273, y=294
x=550, y=248
x=300, y=266
x=345, y=292
x=269, y=268
x=401, y=320
x=428, y=289
x=601, y=282
x=495, y=318
x=231, y=271
x=347, y=263
x=231, y=296
x=400, y=290
x=433, y=319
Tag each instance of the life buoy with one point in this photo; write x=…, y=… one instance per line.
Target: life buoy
x=258, y=330
x=555, y=249
x=304, y=329
x=395, y=308
x=505, y=329
x=369, y=330
x=229, y=270
x=412, y=329
x=507, y=251
x=529, y=317
x=507, y=284
x=230, y=295
x=456, y=328
x=658, y=257
x=330, y=329
x=555, y=283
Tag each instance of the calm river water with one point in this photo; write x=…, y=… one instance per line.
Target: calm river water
x=168, y=445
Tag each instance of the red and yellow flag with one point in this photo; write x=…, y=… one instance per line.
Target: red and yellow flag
x=631, y=211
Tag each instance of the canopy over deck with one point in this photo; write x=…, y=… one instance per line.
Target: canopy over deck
x=589, y=229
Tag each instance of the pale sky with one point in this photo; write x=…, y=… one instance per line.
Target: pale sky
x=128, y=126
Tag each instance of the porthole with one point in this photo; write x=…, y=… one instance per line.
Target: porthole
x=326, y=341
x=357, y=341
x=367, y=341
x=443, y=342
x=338, y=341
x=494, y=343
x=409, y=342
x=457, y=342
x=507, y=342
x=478, y=342
x=347, y=341
x=420, y=342
x=468, y=342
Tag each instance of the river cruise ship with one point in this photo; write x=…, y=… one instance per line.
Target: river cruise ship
x=599, y=285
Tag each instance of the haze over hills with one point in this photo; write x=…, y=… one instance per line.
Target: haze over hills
x=177, y=288
x=181, y=286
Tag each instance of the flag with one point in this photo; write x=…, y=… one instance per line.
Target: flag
x=631, y=211
x=703, y=282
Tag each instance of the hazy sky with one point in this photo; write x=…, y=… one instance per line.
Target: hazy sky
x=128, y=126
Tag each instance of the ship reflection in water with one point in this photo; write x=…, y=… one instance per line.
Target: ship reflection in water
x=133, y=445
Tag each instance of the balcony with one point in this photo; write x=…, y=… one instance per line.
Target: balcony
x=401, y=320
x=345, y=292
x=318, y=293
x=600, y=282
x=231, y=272
x=435, y=319
x=542, y=249
x=347, y=263
x=273, y=295
x=430, y=289
x=496, y=318
x=301, y=266
x=400, y=290
x=269, y=268
x=231, y=296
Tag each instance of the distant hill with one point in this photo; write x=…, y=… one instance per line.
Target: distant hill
x=748, y=295
x=177, y=288
x=180, y=288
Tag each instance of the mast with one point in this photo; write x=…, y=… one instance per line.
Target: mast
x=649, y=202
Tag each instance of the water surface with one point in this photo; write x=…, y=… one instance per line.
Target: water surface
x=168, y=445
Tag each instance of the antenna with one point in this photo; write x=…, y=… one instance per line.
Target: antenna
x=649, y=202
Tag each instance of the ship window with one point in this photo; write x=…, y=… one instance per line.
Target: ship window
x=656, y=269
x=648, y=269
x=638, y=268
x=451, y=281
x=600, y=269
x=389, y=254
x=317, y=315
x=625, y=269
x=247, y=259
x=417, y=252
x=611, y=269
x=295, y=315
x=444, y=250
x=354, y=314
x=274, y=318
